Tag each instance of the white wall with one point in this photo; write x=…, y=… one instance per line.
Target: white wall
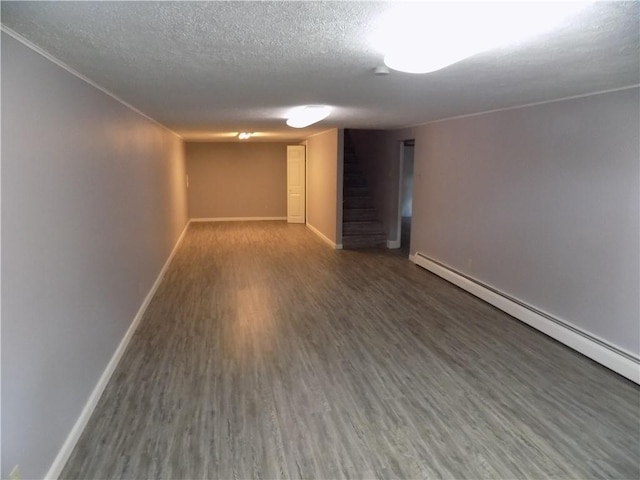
x=93, y=200
x=542, y=203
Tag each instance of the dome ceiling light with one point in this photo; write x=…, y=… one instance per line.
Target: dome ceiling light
x=423, y=37
x=302, y=117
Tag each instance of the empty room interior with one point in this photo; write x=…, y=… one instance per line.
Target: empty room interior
x=320, y=240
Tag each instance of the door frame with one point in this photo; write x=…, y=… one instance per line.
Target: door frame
x=401, y=162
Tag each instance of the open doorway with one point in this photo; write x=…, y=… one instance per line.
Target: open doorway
x=405, y=207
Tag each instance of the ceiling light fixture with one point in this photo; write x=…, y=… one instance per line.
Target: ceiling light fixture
x=381, y=70
x=422, y=37
x=244, y=135
x=301, y=117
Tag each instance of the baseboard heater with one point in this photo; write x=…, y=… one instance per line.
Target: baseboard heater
x=620, y=361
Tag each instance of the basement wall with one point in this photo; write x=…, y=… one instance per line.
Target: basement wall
x=324, y=184
x=237, y=180
x=93, y=201
x=542, y=203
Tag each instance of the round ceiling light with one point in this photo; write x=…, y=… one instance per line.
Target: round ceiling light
x=422, y=37
x=301, y=117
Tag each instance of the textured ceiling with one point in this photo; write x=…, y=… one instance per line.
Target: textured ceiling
x=208, y=69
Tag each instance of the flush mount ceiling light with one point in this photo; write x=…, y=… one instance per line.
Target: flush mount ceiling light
x=422, y=37
x=244, y=135
x=301, y=117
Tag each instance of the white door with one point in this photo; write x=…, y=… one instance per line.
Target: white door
x=295, y=183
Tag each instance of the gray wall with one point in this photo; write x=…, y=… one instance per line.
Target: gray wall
x=93, y=201
x=323, y=163
x=542, y=203
x=237, y=179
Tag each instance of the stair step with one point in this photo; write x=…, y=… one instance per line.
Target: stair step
x=351, y=167
x=359, y=214
x=363, y=241
x=362, y=228
x=360, y=225
x=354, y=180
x=360, y=191
x=357, y=202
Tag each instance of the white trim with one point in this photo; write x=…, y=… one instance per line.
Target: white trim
x=236, y=219
x=319, y=133
x=61, y=64
x=620, y=361
x=74, y=435
x=526, y=105
x=393, y=244
x=306, y=179
x=324, y=237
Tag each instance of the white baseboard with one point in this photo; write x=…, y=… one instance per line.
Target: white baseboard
x=610, y=356
x=393, y=244
x=324, y=237
x=236, y=219
x=74, y=435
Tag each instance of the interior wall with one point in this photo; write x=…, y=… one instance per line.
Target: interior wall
x=339, y=187
x=540, y=202
x=231, y=180
x=322, y=183
x=378, y=153
x=93, y=201
x=407, y=182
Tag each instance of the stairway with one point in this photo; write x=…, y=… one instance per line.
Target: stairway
x=360, y=225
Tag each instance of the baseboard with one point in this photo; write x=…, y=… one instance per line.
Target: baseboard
x=393, y=244
x=324, y=237
x=73, y=437
x=236, y=219
x=597, y=349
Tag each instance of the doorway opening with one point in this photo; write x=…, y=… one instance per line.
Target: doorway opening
x=405, y=204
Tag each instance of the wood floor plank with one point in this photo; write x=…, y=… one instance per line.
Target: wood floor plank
x=266, y=354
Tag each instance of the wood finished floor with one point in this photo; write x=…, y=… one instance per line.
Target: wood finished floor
x=266, y=354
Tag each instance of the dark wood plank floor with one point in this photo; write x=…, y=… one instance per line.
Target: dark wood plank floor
x=265, y=354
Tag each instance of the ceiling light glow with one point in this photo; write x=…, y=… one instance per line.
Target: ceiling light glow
x=301, y=117
x=422, y=37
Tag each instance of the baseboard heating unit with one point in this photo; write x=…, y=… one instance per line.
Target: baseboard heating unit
x=614, y=358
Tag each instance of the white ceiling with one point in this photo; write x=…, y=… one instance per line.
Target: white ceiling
x=210, y=69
